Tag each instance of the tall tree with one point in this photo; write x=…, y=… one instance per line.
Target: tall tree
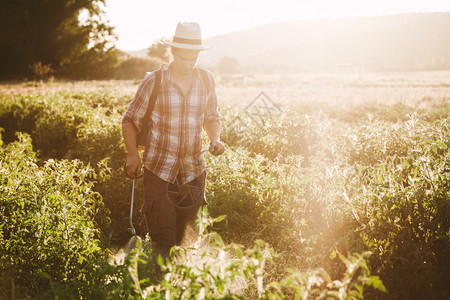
x=70, y=35
x=159, y=50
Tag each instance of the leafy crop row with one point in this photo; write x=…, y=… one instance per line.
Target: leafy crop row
x=340, y=202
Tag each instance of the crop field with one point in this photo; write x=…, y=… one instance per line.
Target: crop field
x=332, y=186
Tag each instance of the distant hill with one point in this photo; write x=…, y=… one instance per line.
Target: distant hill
x=399, y=42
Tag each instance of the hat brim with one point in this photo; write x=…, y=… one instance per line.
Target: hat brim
x=186, y=46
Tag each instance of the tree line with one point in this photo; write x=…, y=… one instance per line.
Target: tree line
x=64, y=38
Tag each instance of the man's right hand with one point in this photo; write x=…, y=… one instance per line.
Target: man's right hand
x=133, y=166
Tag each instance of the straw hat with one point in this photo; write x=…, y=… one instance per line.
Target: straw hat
x=188, y=36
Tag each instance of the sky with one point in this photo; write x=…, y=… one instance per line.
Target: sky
x=139, y=23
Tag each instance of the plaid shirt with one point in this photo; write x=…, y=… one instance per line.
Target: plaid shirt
x=174, y=144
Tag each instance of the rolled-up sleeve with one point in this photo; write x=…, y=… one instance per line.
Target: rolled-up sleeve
x=211, y=113
x=138, y=106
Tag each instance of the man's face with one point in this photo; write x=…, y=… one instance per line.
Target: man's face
x=184, y=61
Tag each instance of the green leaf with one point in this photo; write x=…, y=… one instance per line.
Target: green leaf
x=376, y=282
x=160, y=260
x=218, y=240
x=220, y=286
x=289, y=281
x=239, y=253
x=220, y=218
x=442, y=145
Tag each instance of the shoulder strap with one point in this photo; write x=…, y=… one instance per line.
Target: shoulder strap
x=153, y=96
x=142, y=135
x=157, y=86
x=205, y=79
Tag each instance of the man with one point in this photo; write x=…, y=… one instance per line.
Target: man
x=186, y=102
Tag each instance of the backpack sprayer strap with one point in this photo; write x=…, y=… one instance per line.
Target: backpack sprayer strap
x=143, y=133
x=141, y=138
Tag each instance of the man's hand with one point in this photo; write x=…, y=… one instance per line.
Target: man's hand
x=212, y=129
x=216, y=148
x=133, y=166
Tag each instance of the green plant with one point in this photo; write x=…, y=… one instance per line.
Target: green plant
x=402, y=205
x=47, y=217
x=317, y=284
x=371, y=178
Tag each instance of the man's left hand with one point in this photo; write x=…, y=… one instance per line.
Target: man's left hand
x=216, y=148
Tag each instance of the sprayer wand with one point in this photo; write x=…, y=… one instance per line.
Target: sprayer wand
x=133, y=231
